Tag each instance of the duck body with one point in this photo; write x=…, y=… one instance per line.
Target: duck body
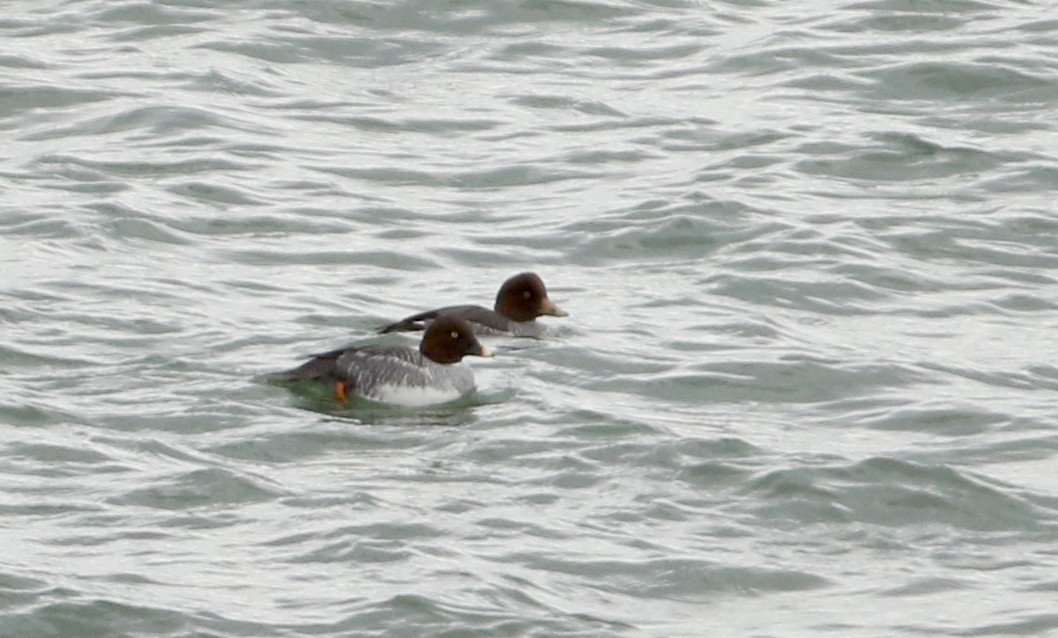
x=401, y=375
x=484, y=322
x=520, y=300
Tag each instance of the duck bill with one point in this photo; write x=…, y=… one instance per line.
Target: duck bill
x=483, y=352
x=548, y=307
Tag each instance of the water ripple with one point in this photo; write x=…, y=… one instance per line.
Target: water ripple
x=804, y=387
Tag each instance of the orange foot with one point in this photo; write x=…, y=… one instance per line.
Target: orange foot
x=339, y=392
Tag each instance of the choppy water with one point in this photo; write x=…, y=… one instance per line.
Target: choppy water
x=807, y=387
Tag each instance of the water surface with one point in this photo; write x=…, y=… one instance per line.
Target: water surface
x=806, y=387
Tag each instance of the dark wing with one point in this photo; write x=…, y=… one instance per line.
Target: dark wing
x=320, y=366
x=384, y=365
x=473, y=314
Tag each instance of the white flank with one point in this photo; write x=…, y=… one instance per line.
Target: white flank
x=413, y=396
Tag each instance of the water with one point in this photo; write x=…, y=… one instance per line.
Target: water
x=806, y=387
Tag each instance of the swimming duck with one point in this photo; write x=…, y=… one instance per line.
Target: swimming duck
x=432, y=373
x=521, y=299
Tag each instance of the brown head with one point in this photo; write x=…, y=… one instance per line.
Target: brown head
x=524, y=298
x=449, y=339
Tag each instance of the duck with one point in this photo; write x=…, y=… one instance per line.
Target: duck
x=520, y=300
x=399, y=375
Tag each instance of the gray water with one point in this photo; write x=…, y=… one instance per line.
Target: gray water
x=806, y=388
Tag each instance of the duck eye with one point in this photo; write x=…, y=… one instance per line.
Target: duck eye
x=527, y=294
x=455, y=335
